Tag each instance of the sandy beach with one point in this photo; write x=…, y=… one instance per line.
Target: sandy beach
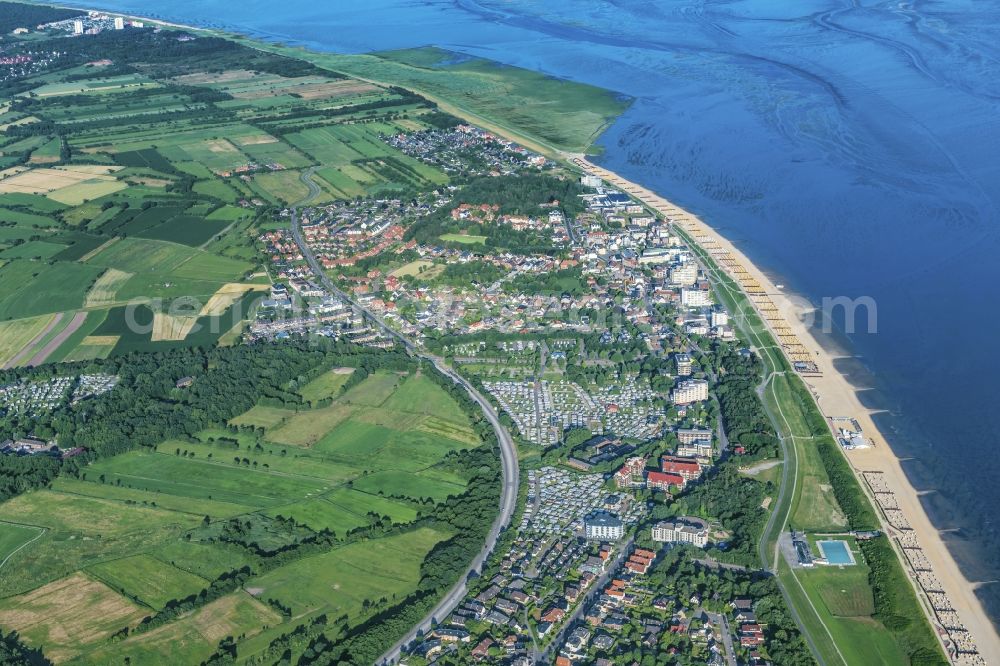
x=876, y=467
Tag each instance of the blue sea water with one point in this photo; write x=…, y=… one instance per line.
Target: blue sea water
x=849, y=147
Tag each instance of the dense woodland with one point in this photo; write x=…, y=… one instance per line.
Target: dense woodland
x=742, y=411
x=15, y=653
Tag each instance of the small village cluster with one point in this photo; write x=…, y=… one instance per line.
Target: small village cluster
x=347, y=232
x=466, y=150
x=303, y=308
x=19, y=62
x=574, y=602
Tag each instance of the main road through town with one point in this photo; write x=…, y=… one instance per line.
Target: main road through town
x=508, y=452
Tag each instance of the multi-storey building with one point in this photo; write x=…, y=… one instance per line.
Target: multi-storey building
x=688, y=391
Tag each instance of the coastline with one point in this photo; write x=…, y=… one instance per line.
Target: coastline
x=834, y=393
x=836, y=397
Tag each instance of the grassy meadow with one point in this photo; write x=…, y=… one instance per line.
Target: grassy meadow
x=147, y=186
x=136, y=531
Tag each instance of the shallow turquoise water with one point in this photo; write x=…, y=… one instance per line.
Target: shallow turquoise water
x=836, y=552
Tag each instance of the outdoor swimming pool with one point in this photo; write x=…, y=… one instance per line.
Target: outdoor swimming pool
x=836, y=552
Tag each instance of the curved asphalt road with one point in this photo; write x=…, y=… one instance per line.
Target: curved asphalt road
x=508, y=452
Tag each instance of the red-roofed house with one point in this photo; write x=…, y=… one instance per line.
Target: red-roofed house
x=688, y=468
x=663, y=480
x=631, y=473
x=553, y=615
x=482, y=650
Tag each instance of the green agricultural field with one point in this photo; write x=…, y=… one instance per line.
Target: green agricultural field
x=269, y=458
x=48, y=152
x=344, y=510
x=205, y=561
x=421, y=395
x=8, y=234
x=78, y=245
x=452, y=429
x=68, y=616
x=29, y=288
x=339, y=183
x=340, y=581
x=228, y=214
x=216, y=189
x=274, y=152
x=148, y=580
x=221, y=481
x=137, y=255
x=407, y=484
x=545, y=113
x=306, y=428
x=374, y=390
x=167, y=270
x=14, y=335
x=14, y=537
x=35, y=202
x=260, y=416
x=285, y=186
x=843, y=600
x=194, y=637
x=466, y=239
x=88, y=516
x=385, y=448
x=326, y=385
x=37, y=250
x=206, y=266
x=197, y=507
x=320, y=514
x=87, y=212
x=324, y=146
x=24, y=219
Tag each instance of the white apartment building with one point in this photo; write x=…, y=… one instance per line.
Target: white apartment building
x=684, y=274
x=684, y=364
x=681, y=532
x=603, y=526
x=688, y=391
x=695, y=298
x=689, y=435
x=697, y=449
